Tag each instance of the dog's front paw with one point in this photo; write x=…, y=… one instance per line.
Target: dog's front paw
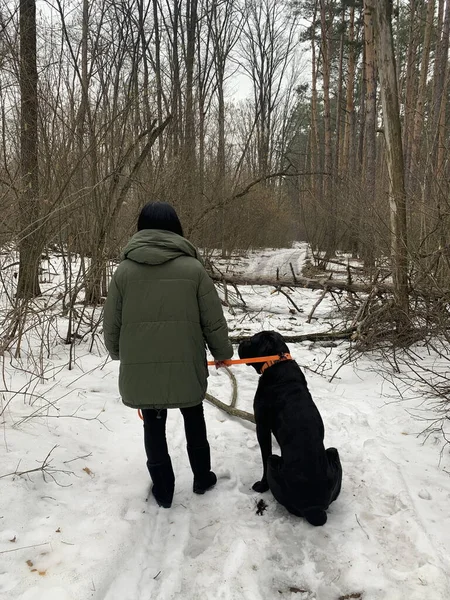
x=261, y=486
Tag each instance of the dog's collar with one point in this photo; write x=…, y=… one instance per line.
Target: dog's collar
x=284, y=356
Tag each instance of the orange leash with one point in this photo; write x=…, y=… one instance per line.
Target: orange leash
x=245, y=361
x=249, y=361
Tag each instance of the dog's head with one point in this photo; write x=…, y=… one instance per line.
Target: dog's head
x=265, y=343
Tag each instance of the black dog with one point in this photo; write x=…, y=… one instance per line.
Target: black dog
x=306, y=478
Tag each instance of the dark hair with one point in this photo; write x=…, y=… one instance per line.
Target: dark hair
x=159, y=215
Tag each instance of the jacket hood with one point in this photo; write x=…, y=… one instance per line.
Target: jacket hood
x=156, y=246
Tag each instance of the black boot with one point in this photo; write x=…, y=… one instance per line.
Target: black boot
x=163, y=483
x=205, y=484
x=200, y=460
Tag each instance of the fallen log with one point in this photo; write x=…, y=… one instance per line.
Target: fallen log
x=304, y=282
x=234, y=412
x=231, y=409
x=320, y=336
x=332, y=285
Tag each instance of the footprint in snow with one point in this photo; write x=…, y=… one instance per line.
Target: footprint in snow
x=425, y=494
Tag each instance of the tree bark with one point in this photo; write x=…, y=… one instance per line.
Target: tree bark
x=421, y=93
x=339, y=108
x=328, y=196
x=440, y=150
x=314, y=135
x=176, y=125
x=303, y=282
x=349, y=103
x=191, y=30
x=159, y=94
x=370, y=137
x=440, y=88
x=411, y=86
x=30, y=242
x=394, y=150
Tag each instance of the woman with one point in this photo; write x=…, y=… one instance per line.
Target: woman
x=161, y=309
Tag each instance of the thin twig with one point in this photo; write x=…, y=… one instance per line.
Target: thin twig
x=281, y=291
x=24, y=548
x=362, y=526
x=66, y=462
x=316, y=304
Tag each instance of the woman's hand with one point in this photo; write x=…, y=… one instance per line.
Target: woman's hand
x=220, y=363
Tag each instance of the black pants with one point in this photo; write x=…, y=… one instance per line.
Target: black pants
x=158, y=458
x=278, y=489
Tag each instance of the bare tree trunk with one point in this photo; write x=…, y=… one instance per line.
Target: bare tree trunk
x=441, y=41
x=221, y=161
x=189, y=165
x=329, y=199
x=440, y=77
x=159, y=96
x=339, y=137
x=348, y=149
x=370, y=137
x=204, y=62
x=314, y=149
x=410, y=88
x=191, y=30
x=176, y=124
x=30, y=242
x=418, y=168
x=394, y=149
x=431, y=187
x=440, y=147
x=142, y=14
x=349, y=104
x=421, y=93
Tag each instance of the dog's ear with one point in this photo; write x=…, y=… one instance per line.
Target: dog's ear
x=248, y=349
x=273, y=343
x=244, y=349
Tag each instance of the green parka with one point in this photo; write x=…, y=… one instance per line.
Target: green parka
x=161, y=309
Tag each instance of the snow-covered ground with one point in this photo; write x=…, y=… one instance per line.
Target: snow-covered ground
x=87, y=531
x=265, y=262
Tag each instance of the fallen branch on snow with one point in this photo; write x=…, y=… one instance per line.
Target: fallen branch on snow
x=304, y=282
x=321, y=336
x=45, y=468
x=234, y=412
x=231, y=409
